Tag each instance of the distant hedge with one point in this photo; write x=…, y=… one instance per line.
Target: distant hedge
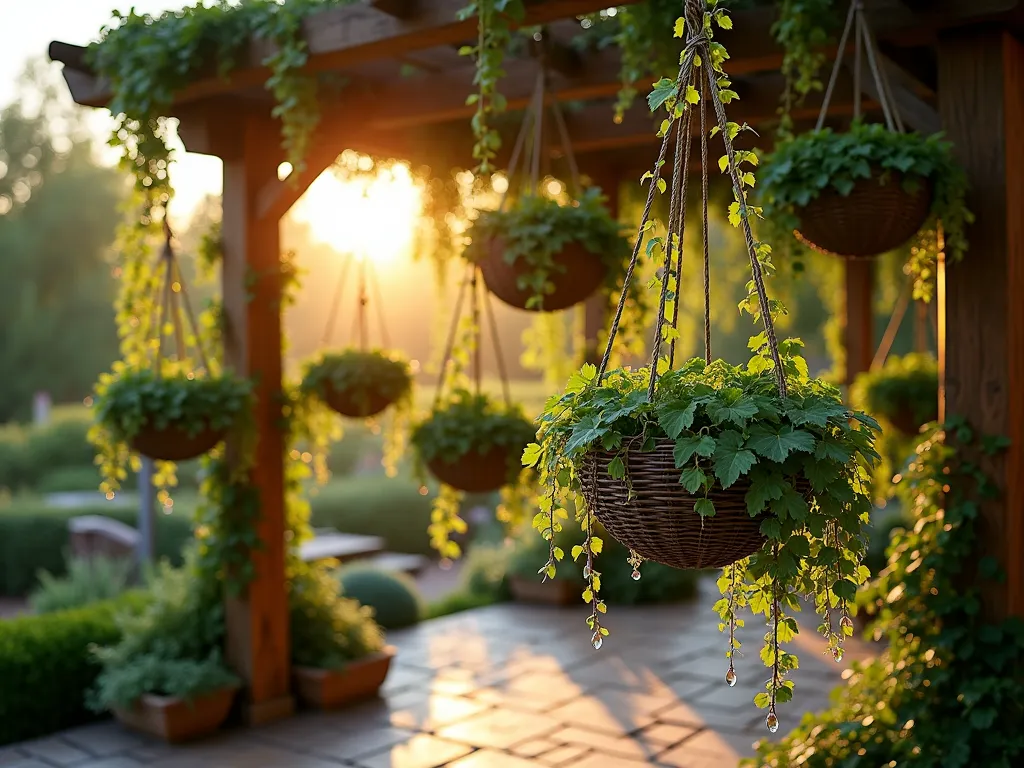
x=46, y=668
x=34, y=536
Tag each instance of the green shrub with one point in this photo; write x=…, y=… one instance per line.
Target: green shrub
x=34, y=537
x=46, y=667
x=87, y=581
x=394, y=597
x=67, y=479
x=328, y=631
x=29, y=453
x=905, y=387
x=374, y=505
x=171, y=648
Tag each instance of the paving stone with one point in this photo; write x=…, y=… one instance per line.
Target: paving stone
x=104, y=739
x=662, y=735
x=734, y=721
x=421, y=751
x=708, y=749
x=11, y=755
x=598, y=760
x=486, y=758
x=25, y=762
x=433, y=712
x=569, y=754
x=238, y=753
x=608, y=744
x=119, y=761
x=54, y=750
x=354, y=745
x=612, y=711
x=499, y=729
x=535, y=747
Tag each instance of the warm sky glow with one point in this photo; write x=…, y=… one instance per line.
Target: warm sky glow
x=372, y=217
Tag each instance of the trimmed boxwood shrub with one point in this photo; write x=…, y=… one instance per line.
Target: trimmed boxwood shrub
x=34, y=537
x=46, y=667
x=394, y=597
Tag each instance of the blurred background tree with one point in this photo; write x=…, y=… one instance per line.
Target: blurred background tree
x=58, y=213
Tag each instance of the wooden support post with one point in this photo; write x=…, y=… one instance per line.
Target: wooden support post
x=257, y=622
x=859, y=330
x=981, y=101
x=595, y=318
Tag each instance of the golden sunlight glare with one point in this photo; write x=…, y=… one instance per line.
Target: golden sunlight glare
x=370, y=217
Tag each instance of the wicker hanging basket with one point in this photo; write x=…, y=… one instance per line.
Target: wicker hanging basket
x=577, y=275
x=873, y=219
x=356, y=405
x=475, y=472
x=174, y=443
x=652, y=514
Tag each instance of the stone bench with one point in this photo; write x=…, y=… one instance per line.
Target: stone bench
x=97, y=536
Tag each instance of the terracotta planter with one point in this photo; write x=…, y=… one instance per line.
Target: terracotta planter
x=347, y=404
x=873, y=219
x=580, y=275
x=475, y=472
x=174, y=443
x=334, y=688
x=176, y=720
x=559, y=592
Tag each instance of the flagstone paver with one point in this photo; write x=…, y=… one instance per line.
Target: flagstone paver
x=508, y=686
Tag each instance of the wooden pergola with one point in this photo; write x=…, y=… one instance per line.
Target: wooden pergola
x=955, y=65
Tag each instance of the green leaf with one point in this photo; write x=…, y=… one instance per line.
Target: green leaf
x=616, y=468
x=791, y=504
x=738, y=412
x=664, y=90
x=531, y=455
x=731, y=458
x=765, y=485
x=776, y=443
x=693, y=479
x=675, y=417
x=704, y=508
x=688, y=445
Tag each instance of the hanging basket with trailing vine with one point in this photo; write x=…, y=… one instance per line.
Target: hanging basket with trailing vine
x=470, y=441
x=759, y=468
x=536, y=252
x=868, y=190
x=169, y=411
x=904, y=392
x=358, y=383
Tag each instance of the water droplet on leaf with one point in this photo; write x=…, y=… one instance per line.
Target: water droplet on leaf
x=772, y=722
x=586, y=571
x=445, y=564
x=636, y=574
x=730, y=677
x=837, y=654
x=597, y=640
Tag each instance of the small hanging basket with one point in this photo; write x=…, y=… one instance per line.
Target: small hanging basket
x=476, y=471
x=356, y=404
x=173, y=443
x=577, y=275
x=876, y=217
x=652, y=514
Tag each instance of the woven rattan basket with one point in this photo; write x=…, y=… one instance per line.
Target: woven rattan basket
x=174, y=443
x=652, y=514
x=348, y=404
x=577, y=275
x=873, y=219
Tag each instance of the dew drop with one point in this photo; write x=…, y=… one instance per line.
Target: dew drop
x=837, y=654
x=445, y=564
x=730, y=677
x=772, y=722
x=846, y=622
x=586, y=571
x=636, y=574
x=597, y=640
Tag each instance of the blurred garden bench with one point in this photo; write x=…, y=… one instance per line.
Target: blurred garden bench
x=328, y=543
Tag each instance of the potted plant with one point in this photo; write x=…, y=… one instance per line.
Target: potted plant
x=904, y=392
x=865, y=191
x=472, y=444
x=358, y=384
x=542, y=255
x=166, y=676
x=338, y=651
x=171, y=416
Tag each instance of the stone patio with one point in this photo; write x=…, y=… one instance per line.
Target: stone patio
x=508, y=686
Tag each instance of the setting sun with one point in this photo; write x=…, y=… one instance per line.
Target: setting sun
x=371, y=216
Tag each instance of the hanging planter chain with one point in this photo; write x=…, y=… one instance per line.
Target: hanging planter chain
x=360, y=330
x=172, y=302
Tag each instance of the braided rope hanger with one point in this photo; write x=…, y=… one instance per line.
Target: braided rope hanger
x=173, y=301
x=698, y=44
